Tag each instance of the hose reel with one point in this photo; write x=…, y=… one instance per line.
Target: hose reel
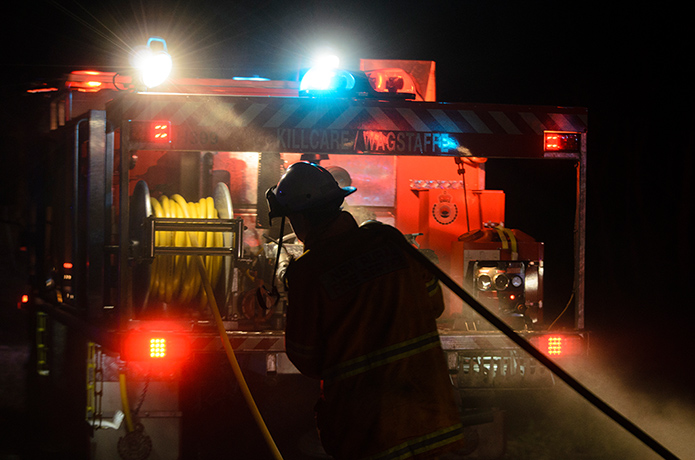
x=165, y=235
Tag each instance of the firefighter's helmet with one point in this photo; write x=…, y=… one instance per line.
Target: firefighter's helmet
x=304, y=187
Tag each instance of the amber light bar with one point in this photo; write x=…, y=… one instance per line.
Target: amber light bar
x=559, y=345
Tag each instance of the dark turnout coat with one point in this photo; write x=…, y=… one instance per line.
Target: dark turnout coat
x=361, y=317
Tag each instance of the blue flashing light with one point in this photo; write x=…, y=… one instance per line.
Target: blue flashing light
x=447, y=143
x=253, y=78
x=328, y=80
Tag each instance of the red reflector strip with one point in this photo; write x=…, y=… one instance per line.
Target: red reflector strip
x=42, y=90
x=561, y=141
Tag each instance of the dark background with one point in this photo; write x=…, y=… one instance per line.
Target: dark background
x=627, y=62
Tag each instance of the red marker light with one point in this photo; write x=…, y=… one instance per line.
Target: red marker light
x=24, y=300
x=67, y=265
x=158, y=348
x=158, y=132
x=555, y=141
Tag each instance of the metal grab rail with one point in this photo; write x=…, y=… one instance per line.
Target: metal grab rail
x=235, y=227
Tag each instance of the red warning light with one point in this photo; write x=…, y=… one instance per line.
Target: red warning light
x=158, y=132
x=158, y=347
x=391, y=81
x=67, y=265
x=23, y=301
x=556, y=141
x=91, y=81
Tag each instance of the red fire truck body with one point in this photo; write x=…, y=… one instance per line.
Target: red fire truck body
x=143, y=182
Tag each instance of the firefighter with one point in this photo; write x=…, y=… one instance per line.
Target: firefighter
x=361, y=317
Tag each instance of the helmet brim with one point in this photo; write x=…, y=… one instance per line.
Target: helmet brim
x=348, y=190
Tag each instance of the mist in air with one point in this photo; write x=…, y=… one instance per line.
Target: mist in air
x=559, y=423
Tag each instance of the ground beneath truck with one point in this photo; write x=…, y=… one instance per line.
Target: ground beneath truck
x=538, y=425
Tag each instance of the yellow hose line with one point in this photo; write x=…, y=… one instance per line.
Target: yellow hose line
x=503, y=239
x=512, y=239
x=232, y=359
x=124, y=402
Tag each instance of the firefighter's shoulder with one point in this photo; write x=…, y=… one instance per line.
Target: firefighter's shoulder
x=382, y=229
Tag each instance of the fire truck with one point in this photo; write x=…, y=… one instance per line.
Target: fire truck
x=156, y=254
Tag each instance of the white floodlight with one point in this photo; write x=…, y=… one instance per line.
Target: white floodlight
x=327, y=61
x=154, y=65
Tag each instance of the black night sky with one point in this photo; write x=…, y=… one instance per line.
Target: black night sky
x=628, y=62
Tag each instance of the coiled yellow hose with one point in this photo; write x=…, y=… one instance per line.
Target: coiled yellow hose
x=175, y=278
x=181, y=278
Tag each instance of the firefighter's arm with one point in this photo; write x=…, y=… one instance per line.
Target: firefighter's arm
x=302, y=333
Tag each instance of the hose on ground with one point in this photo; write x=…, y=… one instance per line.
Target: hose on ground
x=198, y=261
